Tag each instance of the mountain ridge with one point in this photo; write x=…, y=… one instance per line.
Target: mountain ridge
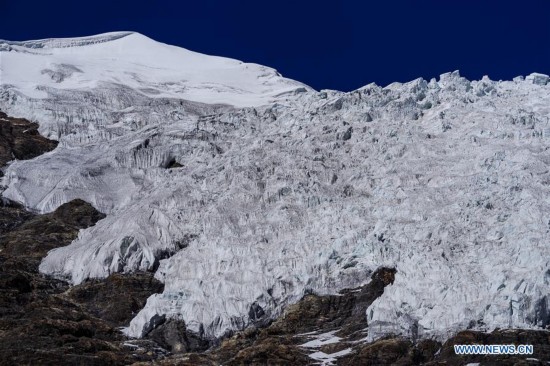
x=69, y=41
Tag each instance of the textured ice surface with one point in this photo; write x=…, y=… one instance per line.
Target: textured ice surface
x=447, y=181
x=536, y=78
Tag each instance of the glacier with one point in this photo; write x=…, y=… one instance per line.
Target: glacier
x=241, y=188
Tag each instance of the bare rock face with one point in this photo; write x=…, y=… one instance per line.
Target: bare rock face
x=12, y=215
x=173, y=336
x=344, y=312
x=38, y=323
x=19, y=139
x=117, y=298
x=35, y=235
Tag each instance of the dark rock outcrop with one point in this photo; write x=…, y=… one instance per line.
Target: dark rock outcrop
x=32, y=236
x=19, y=139
x=174, y=336
x=43, y=320
x=116, y=299
x=345, y=312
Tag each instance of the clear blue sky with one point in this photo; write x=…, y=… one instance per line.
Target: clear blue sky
x=326, y=44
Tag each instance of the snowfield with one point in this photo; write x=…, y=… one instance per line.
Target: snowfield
x=243, y=189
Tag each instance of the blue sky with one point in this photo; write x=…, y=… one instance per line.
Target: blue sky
x=327, y=44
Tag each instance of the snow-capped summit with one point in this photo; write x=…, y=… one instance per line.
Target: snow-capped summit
x=138, y=62
x=297, y=191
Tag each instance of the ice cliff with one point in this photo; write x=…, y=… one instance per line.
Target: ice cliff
x=245, y=190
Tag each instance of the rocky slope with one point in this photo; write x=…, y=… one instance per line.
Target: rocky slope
x=19, y=139
x=43, y=320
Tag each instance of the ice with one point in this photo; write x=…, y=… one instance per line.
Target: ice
x=536, y=78
x=242, y=190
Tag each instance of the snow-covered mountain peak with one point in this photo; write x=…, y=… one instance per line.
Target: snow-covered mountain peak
x=124, y=63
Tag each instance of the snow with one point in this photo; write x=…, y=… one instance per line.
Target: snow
x=446, y=180
x=140, y=63
x=329, y=358
x=322, y=339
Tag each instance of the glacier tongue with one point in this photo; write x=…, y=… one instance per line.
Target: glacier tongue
x=446, y=183
x=241, y=188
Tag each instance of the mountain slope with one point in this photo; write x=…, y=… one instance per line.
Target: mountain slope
x=246, y=208
x=135, y=61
